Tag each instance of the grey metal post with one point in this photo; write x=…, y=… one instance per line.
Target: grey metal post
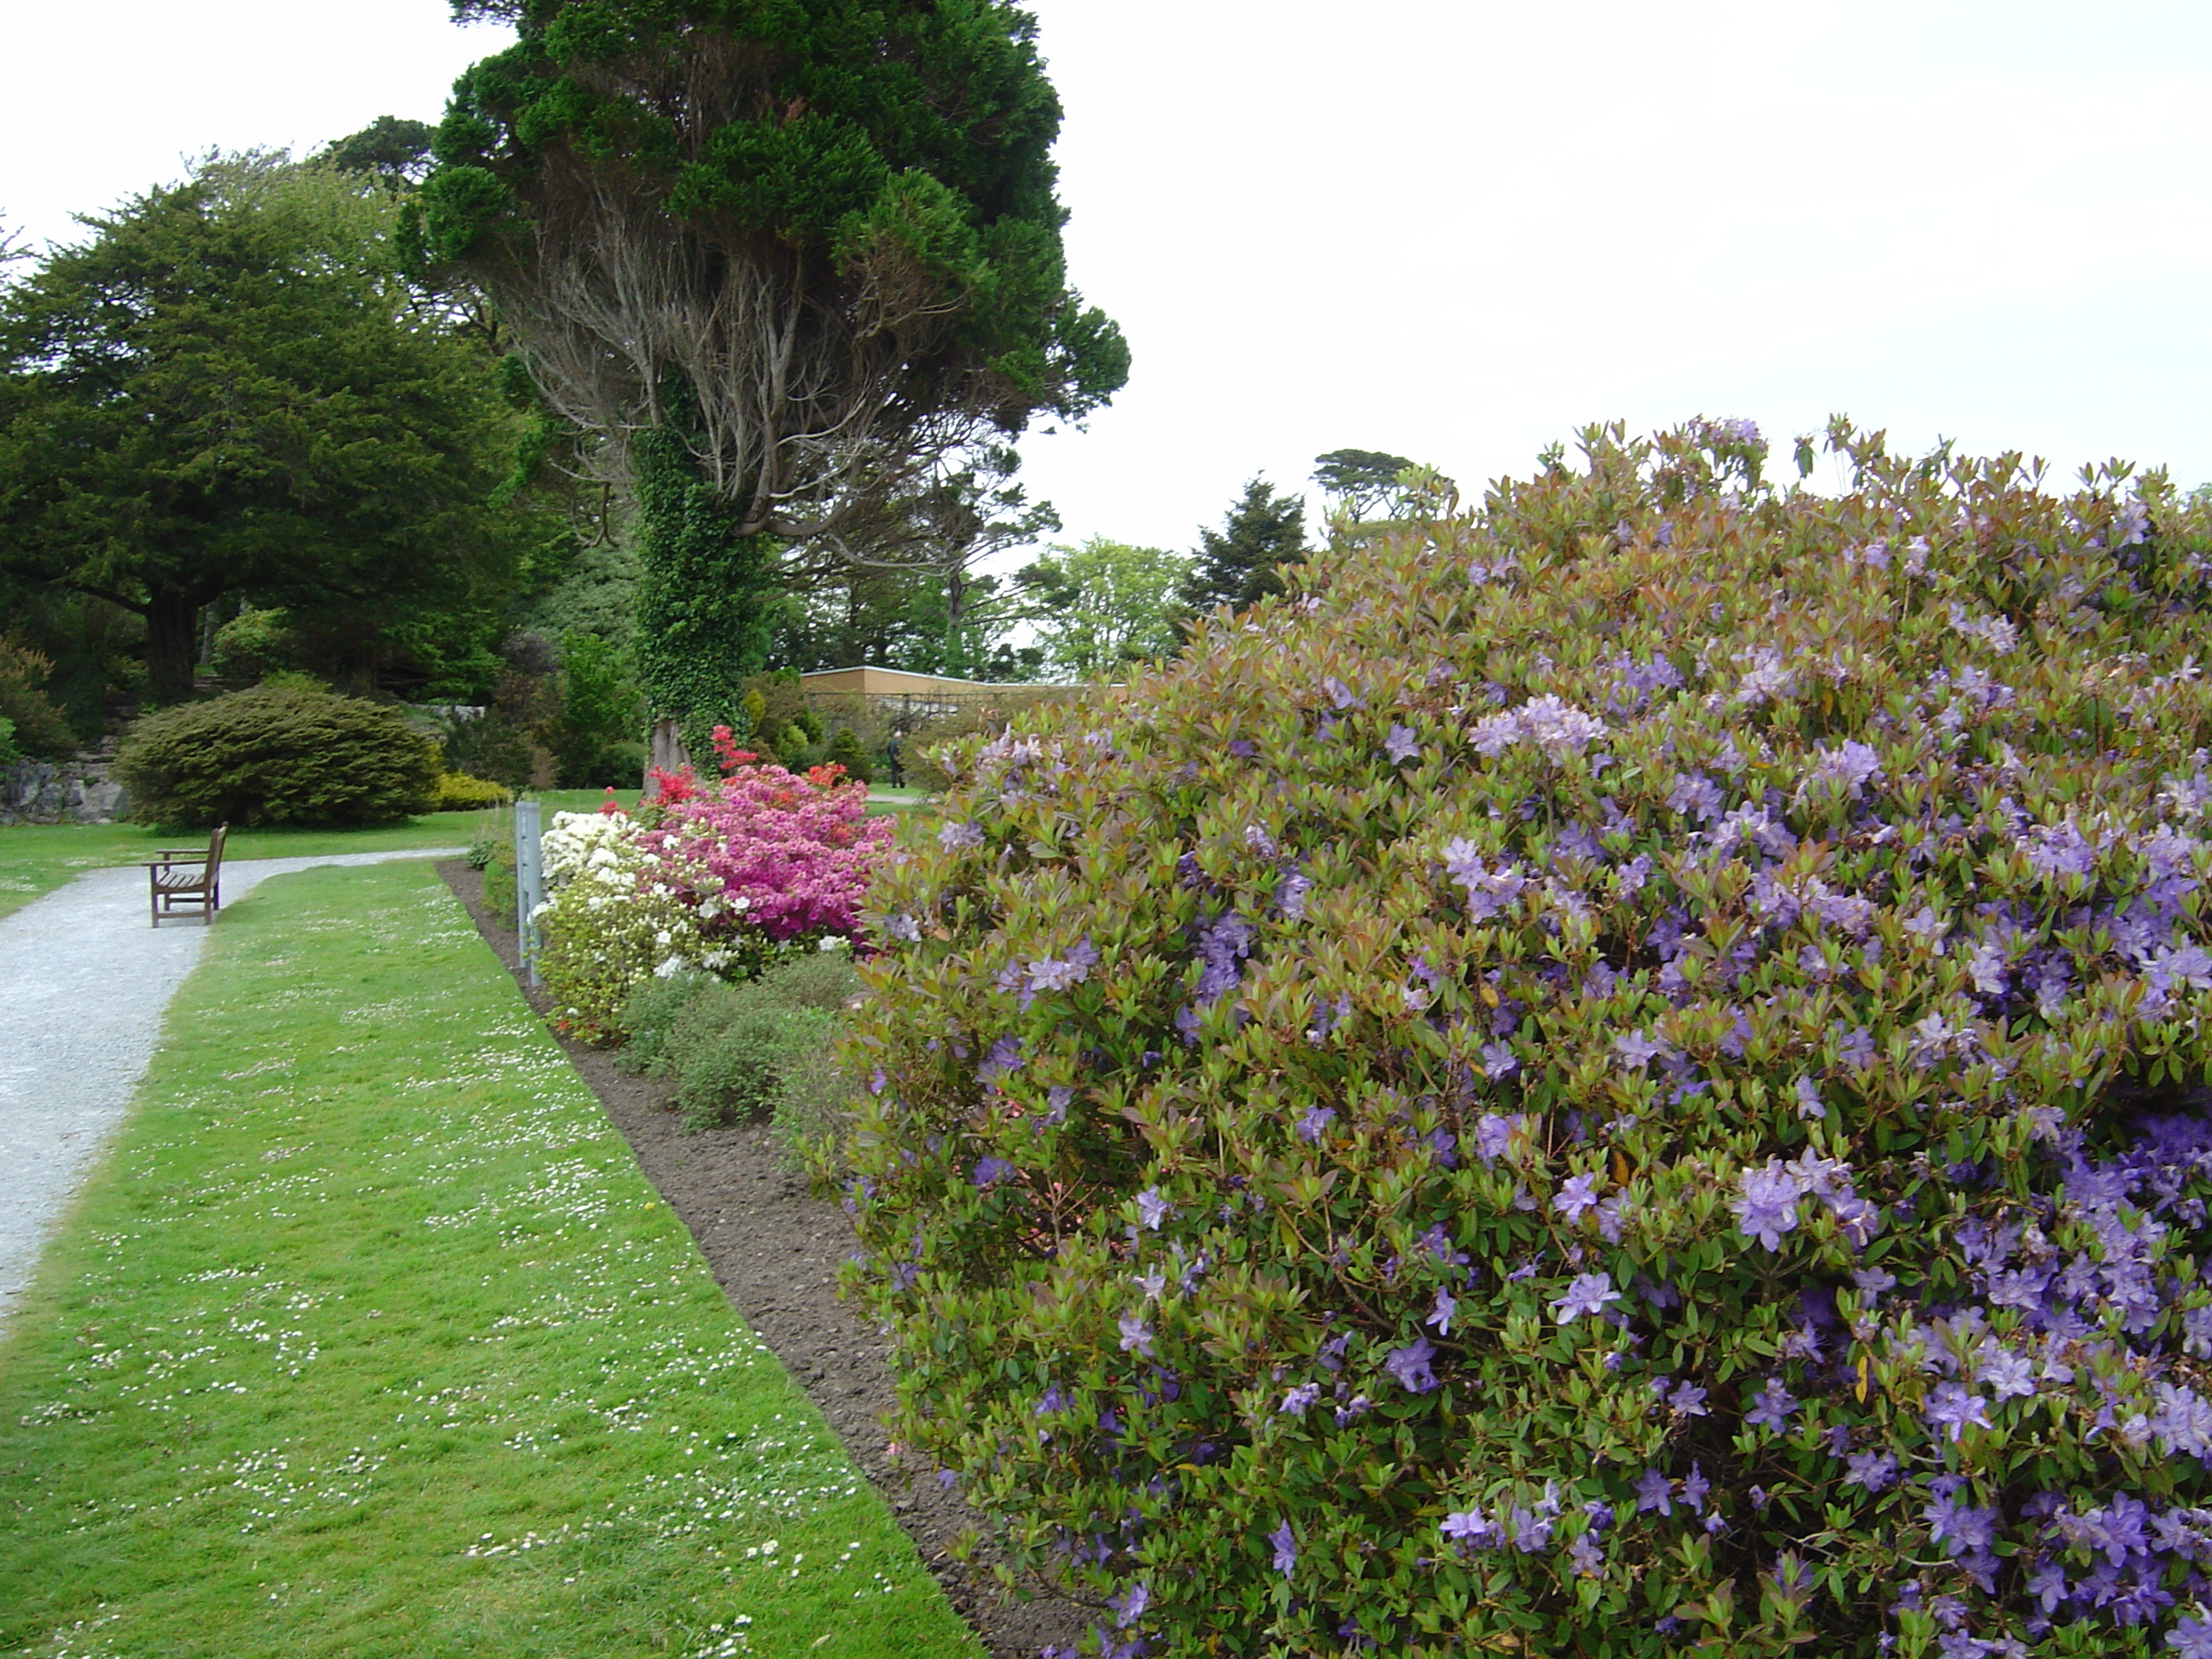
x=529, y=884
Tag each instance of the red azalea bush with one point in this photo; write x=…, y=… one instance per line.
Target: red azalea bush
x=1614, y=1075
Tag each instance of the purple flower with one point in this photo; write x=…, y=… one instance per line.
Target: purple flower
x=992, y=1170
x=1958, y=1527
x=1654, y=1491
x=1586, y=1296
x=1136, y=1335
x=1950, y=1407
x=1287, y=1549
x=1773, y=1407
x=1409, y=1365
x=1575, y=1196
x=902, y=927
x=1876, y=1471
x=1695, y=1487
x=1299, y=1399
x=1768, y=1207
x=1588, y=1559
x=1152, y=1208
x=1441, y=1318
x=1129, y=1606
x=1006, y=1056
x=1637, y=1050
x=1060, y=974
x=2191, y=1638
x=1488, y=891
x=956, y=836
x=1689, y=1400
x=1317, y=1118
x=1401, y=745
x=1473, y=1529
x=1497, y=1060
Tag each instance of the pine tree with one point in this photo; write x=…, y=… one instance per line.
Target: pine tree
x=1236, y=564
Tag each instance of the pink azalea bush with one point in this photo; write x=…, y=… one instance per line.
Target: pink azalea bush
x=797, y=849
x=721, y=877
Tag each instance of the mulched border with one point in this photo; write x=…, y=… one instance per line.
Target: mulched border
x=775, y=1251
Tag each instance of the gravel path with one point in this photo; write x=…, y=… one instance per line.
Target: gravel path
x=83, y=984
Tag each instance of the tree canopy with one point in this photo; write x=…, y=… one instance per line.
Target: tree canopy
x=819, y=243
x=1104, y=604
x=1363, y=482
x=225, y=389
x=1236, y=564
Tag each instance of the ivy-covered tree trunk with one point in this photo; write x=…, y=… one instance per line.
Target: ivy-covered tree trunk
x=703, y=596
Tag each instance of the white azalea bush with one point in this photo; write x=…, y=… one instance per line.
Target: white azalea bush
x=617, y=913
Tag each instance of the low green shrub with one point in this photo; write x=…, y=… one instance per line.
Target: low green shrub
x=1618, y=1075
x=652, y=1012
x=812, y=1108
x=481, y=853
x=457, y=792
x=731, y=1050
x=280, y=754
x=727, y=1054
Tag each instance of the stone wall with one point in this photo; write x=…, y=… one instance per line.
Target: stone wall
x=78, y=791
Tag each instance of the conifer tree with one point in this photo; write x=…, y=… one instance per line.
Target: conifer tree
x=1235, y=565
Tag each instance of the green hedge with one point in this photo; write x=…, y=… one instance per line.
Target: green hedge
x=279, y=754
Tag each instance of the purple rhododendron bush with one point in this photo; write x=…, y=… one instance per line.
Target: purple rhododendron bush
x=1614, y=1075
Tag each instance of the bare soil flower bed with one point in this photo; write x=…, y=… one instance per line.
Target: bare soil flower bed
x=775, y=1251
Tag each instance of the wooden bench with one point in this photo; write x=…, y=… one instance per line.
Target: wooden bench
x=187, y=881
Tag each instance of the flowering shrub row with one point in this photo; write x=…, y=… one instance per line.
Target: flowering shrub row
x=1620, y=1073
x=723, y=876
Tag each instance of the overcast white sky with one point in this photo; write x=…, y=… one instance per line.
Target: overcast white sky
x=1456, y=229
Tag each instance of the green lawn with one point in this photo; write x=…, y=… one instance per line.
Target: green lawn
x=370, y=1340
x=37, y=858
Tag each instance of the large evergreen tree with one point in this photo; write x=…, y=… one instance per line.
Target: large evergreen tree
x=817, y=248
x=1236, y=564
x=226, y=390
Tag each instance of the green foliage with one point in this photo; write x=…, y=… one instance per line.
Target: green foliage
x=599, y=739
x=457, y=792
x=1105, y=605
x=1363, y=483
x=730, y=1048
x=480, y=856
x=227, y=390
x=845, y=751
x=278, y=754
x=1237, y=565
x=253, y=645
x=838, y=267
x=393, y=151
x=703, y=604
x=1617, y=1075
x=8, y=752
x=38, y=728
x=726, y=1061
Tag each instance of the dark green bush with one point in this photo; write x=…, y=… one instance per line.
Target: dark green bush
x=289, y=753
x=1614, y=1076
x=652, y=1012
x=845, y=751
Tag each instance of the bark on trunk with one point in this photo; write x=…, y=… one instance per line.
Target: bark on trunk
x=172, y=644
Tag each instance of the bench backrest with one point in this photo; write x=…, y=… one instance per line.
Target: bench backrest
x=214, y=849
